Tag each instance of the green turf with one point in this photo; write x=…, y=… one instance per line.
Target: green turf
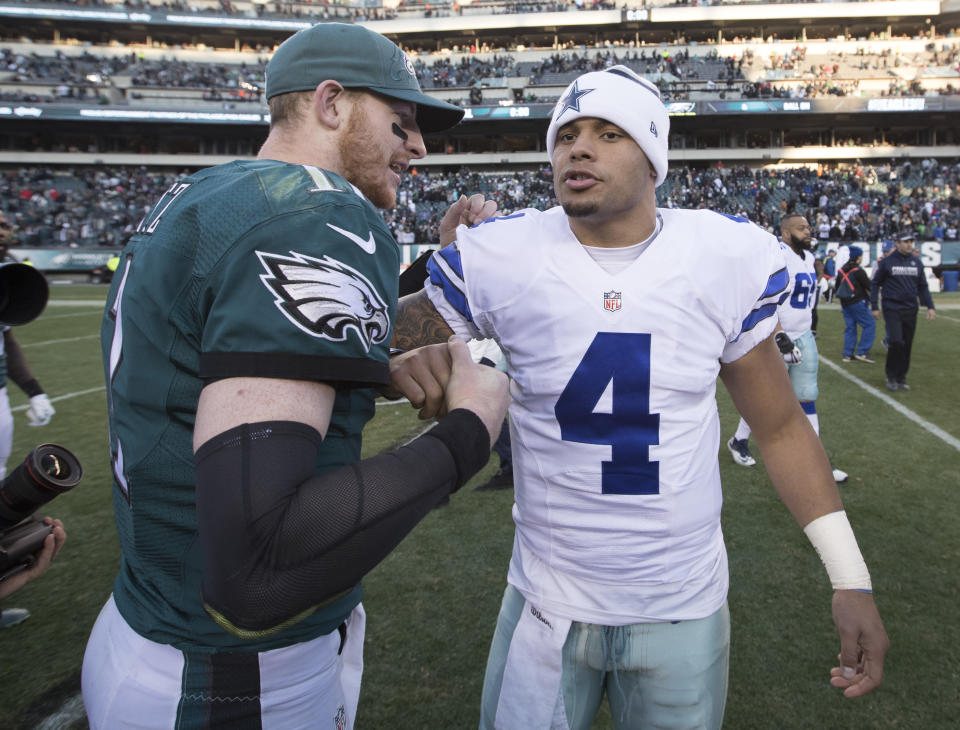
x=432, y=604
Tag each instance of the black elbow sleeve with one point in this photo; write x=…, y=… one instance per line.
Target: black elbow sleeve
x=278, y=542
x=245, y=480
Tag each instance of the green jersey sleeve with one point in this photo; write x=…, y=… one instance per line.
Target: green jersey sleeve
x=307, y=294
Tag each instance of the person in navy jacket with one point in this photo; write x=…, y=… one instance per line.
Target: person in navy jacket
x=899, y=281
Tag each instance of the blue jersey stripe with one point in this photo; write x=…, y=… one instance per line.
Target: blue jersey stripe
x=776, y=283
x=758, y=315
x=446, y=273
x=451, y=255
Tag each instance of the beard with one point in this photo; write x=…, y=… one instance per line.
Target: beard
x=803, y=244
x=362, y=160
x=580, y=209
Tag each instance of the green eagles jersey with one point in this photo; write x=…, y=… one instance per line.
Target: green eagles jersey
x=260, y=269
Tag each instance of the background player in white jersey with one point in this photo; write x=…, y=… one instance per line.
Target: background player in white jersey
x=794, y=338
x=616, y=318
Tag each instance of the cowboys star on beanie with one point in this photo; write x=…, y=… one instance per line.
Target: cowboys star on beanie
x=623, y=97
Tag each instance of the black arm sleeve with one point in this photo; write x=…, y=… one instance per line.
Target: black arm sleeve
x=278, y=542
x=17, y=367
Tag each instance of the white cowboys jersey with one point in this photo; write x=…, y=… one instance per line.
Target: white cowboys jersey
x=613, y=415
x=796, y=311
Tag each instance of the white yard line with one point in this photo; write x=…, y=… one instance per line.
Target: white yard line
x=66, y=396
x=77, y=303
x=426, y=428
x=896, y=405
x=57, y=342
x=70, y=713
x=93, y=312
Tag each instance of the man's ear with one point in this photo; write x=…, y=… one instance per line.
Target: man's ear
x=330, y=105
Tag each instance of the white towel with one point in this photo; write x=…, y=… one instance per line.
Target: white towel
x=531, y=679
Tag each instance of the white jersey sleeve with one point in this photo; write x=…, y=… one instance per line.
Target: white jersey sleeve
x=752, y=279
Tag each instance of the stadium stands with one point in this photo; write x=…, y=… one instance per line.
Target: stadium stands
x=50, y=73
x=99, y=206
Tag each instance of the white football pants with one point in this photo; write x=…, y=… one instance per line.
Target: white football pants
x=130, y=682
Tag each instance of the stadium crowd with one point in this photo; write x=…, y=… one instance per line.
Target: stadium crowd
x=766, y=90
x=336, y=10
x=169, y=72
x=78, y=77
x=79, y=206
x=100, y=206
x=466, y=72
x=85, y=69
x=343, y=10
x=679, y=64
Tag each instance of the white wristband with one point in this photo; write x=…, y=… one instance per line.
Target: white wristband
x=836, y=545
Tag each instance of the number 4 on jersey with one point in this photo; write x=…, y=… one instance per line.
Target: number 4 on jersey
x=623, y=361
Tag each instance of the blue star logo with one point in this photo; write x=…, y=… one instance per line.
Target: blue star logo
x=572, y=99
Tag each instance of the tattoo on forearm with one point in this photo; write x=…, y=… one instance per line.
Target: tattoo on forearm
x=418, y=323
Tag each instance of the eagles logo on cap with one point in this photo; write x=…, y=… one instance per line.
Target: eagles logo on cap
x=401, y=62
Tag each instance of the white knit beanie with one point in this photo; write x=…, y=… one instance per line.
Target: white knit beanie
x=625, y=98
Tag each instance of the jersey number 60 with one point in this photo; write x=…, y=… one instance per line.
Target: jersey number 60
x=622, y=359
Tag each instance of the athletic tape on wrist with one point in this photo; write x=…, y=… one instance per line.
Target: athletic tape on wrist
x=837, y=547
x=468, y=440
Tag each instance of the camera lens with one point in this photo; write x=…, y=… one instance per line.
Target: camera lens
x=47, y=471
x=53, y=467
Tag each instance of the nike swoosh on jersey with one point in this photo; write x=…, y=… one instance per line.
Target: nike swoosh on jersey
x=368, y=245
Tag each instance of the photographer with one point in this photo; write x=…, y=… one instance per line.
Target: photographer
x=13, y=364
x=51, y=546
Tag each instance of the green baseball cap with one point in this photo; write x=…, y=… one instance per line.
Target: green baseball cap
x=356, y=58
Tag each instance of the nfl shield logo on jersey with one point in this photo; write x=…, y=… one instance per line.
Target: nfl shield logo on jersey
x=341, y=718
x=611, y=301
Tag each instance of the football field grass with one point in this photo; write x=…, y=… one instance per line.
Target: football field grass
x=432, y=604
